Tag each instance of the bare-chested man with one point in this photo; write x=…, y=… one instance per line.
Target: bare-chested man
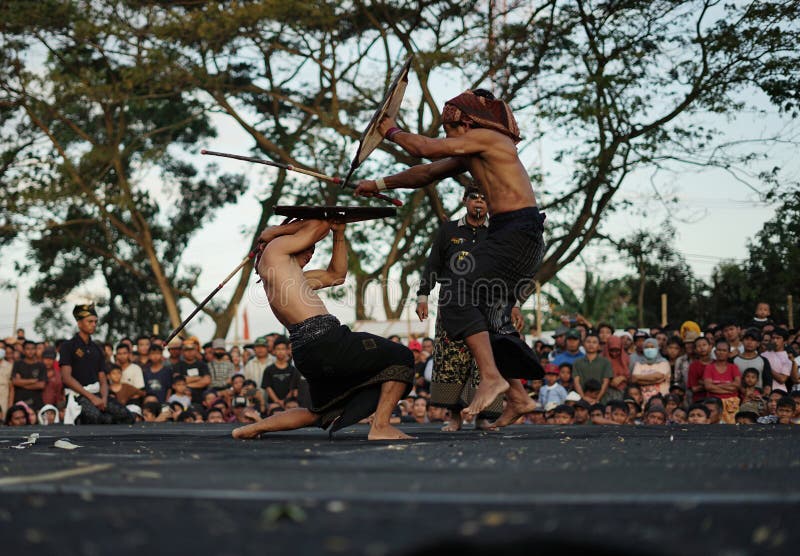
x=481, y=139
x=350, y=374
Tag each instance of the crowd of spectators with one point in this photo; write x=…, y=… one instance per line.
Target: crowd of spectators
x=726, y=372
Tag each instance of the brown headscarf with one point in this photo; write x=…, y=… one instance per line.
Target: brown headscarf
x=483, y=112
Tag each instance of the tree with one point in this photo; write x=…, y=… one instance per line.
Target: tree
x=599, y=301
x=99, y=115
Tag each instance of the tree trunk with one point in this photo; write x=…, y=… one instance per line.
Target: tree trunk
x=640, y=299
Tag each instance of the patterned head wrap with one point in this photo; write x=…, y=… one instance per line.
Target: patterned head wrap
x=82, y=311
x=483, y=112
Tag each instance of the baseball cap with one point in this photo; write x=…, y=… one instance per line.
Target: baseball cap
x=574, y=334
x=414, y=345
x=218, y=343
x=583, y=403
x=551, y=369
x=640, y=334
x=261, y=341
x=49, y=353
x=573, y=396
x=560, y=331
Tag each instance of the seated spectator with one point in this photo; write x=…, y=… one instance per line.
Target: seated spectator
x=671, y=402
x=746, y=418
x=597, y=411
x=678, y=416
x=53, y=393
x=215, y=415
x=714, y=406
x=123, y=392
x=722, y=381
x=784, y=410
x=17, y=416
x=136, y=411
x=581, y=408
x=620, y=412
x=656, y=415
x=181, y=394
x=699, y=414
x=48, y=415
x=563, y=415
x=131, y=372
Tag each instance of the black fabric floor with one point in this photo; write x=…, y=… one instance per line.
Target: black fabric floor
x=191, y=489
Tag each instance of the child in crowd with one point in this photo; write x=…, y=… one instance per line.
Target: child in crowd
x=564, y=415
x=784, y=410
x=552, y=391
x=181, y=392
x=678, y=416
x=699, y=414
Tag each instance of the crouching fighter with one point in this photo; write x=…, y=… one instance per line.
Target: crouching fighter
x=350, y=375
x=476, y=306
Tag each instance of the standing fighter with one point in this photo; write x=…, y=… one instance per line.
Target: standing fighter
x=455, y=375
x=481, y=139
x=351, y=375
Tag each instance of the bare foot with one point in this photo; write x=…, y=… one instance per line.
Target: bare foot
x=487, y=391
x=454, y=424
x=387, y=432
x=484, y=425
x=513, y=411
x=247, y=431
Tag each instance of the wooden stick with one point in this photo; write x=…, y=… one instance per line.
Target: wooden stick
x=323, y=177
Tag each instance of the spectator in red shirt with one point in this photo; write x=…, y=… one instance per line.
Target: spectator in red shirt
x=695, y=388
x=53, y=392
x=722, y=379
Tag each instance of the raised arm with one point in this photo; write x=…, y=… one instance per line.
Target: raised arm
x=415, y=177
x=293, y=238
x=336, y=272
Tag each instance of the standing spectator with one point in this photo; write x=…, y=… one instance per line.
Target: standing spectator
x=619, y=367
x=131, y=372
x=29, y=378
x=672, y=353
x=681, y=372
x=193, y=369
x=281, y=378
x=573, y=349
x=208, y=352
x=722, y=380
x=781, y=364
x=142, y=352
x=53, y=392
x=638, y=345
x=220, y=368
x=174, y=349
x=604, y=332
x=157, y=377
x=750, y=393
x=749, y=358
x=84, y=376
x=732, y=334
x=6, y=392
x=695, y=389
x=560, y=339
x=565, y=377
x=592, y=366
x=254, y=369
x=652, y=373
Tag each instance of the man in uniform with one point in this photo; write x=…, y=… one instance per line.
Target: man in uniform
x=455, y=375
x=351, y=375
x=84, y=376
x=481, y=139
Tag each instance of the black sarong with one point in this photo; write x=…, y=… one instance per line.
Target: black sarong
x=345, y=369
x=480, y=295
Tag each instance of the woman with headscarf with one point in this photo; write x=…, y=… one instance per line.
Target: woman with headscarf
x=614, y=352
x=653, y=372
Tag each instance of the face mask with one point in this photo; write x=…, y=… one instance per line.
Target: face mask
x=651, y=353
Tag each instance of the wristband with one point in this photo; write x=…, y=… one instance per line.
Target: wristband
x=422, y=298
x=381, y=184
x=391, y=133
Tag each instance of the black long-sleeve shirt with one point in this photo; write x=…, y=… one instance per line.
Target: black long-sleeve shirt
x=453, y=241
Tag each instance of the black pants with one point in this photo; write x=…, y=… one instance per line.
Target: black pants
x=115, y=413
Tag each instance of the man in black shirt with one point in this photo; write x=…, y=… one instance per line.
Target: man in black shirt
x=29, y=378
x=84, y=376
x=281, y=379
x=198, y=377
x=455, y=376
